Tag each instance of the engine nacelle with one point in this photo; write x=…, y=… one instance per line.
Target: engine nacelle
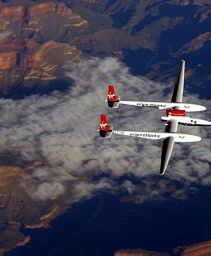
x=112, y=99
x=105, y=129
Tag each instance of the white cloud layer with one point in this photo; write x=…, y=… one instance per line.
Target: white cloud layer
x=61, y=129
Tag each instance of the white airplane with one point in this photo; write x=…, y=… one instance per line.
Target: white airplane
x=175, y=114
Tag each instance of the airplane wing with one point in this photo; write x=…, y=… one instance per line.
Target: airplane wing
x=172, y=126
x=168, y=145
x=179, y=84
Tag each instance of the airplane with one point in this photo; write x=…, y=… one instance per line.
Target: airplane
x=175, y=114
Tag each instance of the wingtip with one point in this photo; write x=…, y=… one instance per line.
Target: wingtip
x=162, y=172
x=163, y=168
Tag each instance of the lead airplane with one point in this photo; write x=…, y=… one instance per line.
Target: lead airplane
x=175, y=114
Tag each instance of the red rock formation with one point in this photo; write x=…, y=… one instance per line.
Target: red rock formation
x=42, y=8
x=34, y=24
x=39, y=11
x=21, y=55
x=196, y=43
x=200, y=249
x=12, y=12
x=7, y=60
x=18, y=209
x=103, y=41
x=10, y=44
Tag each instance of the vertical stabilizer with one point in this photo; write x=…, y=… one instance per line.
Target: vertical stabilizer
x=112, y=98
x=105, y=129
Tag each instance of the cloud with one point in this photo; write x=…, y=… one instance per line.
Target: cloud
x=48, y=190
x=61, y=129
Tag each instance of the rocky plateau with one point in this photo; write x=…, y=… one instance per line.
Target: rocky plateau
x=37, y=38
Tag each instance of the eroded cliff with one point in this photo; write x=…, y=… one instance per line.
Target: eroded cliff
x=32, y=42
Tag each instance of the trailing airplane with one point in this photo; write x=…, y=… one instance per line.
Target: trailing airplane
x=175, y=114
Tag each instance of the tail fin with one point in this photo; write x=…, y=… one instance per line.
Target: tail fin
x=112, y=99
x=105, y=129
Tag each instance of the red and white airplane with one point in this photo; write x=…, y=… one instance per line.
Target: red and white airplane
x=175, y=114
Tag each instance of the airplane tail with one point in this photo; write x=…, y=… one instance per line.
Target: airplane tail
x=105, y=129
x=112, y=99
